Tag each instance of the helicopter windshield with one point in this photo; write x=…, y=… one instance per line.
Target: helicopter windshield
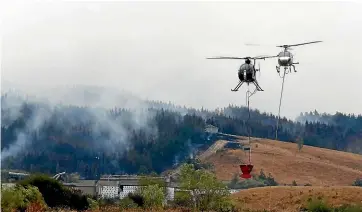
x=285, y=54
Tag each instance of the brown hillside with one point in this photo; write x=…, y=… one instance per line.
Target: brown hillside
x=290, y=199
x=316, y=166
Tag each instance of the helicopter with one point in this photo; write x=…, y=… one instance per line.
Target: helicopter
x=247, y=71
x=285, y=57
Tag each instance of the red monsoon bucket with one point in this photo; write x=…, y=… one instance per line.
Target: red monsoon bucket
x=246, y=170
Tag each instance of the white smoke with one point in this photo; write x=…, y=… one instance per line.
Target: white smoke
x=53, y=104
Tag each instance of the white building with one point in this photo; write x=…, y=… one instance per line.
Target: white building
x=121, y=186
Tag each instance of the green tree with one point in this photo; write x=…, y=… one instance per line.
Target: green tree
x=154, y=180
x=20, y=198
x=153, y=196
x=206, y=191
x=55, y=194
x=300, y=143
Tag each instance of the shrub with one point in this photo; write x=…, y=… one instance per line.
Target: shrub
x=19, y=198
x=137, y=198
x=245, y=184
x=358, y=182
x=93, y=204
x=126, y=203
x=224, y=205
x=55, y=194
x=294, y=183
x=153, y=196
x=316, y=205
x=183, y=199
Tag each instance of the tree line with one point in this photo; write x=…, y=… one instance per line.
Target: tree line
x=96, y=141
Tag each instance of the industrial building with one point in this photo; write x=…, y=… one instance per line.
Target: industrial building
x=117, y=186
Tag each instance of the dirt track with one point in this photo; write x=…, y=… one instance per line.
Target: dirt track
x=212, y=149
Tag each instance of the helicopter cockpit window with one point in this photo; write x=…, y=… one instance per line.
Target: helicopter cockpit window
x=284, y=54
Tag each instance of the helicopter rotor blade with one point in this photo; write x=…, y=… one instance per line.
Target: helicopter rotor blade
x=235, y=58
x=243, y=58
x=258, y=44
x=299, y=44
x=263, y=57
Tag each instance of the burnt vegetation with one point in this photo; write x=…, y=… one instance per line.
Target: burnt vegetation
x=69, y=140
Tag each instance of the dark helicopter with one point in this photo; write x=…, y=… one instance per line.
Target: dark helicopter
x=285, y=58
x=247, y=71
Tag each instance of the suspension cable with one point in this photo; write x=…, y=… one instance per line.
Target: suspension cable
x=248, y=95
x=280, y=103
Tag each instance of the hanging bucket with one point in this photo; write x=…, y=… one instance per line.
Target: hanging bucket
x=246, y=170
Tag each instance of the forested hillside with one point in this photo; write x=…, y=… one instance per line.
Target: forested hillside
x=39, y=135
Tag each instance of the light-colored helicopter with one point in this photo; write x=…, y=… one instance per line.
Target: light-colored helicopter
x=247, y=71
x=285, y=57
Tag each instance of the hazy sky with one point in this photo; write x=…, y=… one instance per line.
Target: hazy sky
x=158, y=50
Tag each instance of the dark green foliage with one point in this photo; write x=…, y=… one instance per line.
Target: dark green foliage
x=55, y=194
x=294, y=183
x=267, y=180
x=207, y=193
x=257, y=181
x=137, y=199
x=19, y=197
x=69, y=139
x=183, y=199
x=127, y=203
x=358, y=182
x=108, y=201
x=198, y=164
x=316, y=205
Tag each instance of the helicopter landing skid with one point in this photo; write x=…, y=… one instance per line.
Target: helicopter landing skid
x=241, y=82
x=237, y=86
x=257, y=86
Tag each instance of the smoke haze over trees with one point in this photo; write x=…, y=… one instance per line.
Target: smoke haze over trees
x=96, y=131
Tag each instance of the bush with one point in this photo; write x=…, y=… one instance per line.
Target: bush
x=55, y=194
x=248, y=183
x=20, y=198
x=358, y=182
x=153, y=196
x=137, y=198
x=126, y=203
x=183, y=199
x=225, y=205
x=207, y=192
x=258, y=181
x=316, y=205
x=93, y=204
x=294, y=183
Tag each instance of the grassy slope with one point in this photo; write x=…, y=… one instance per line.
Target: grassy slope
x=316, y=166
x=289, y=199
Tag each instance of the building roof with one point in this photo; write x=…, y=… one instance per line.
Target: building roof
x=82, y=183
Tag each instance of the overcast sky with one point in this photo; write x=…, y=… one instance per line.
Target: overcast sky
x=158, y=50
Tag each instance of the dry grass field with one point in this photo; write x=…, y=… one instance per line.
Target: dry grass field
x=290, y=199
x=312, y=165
